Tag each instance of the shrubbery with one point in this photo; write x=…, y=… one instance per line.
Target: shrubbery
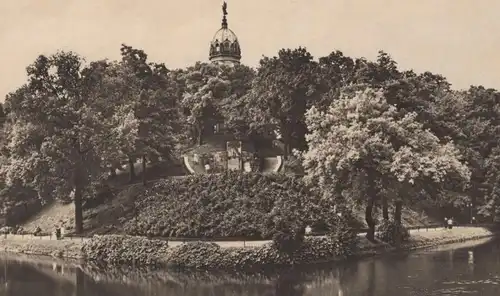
x=344, y=236
x=125, y=250
x=203, y=255
x=388, y=232
x=288, y=240
x=230, y=204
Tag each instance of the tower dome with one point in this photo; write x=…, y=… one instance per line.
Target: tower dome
x=225, y=47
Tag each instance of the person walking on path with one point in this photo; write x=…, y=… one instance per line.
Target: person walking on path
x=450, y=223
x=58, y=232
x=445, y=223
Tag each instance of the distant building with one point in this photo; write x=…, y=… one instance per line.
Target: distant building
x=225, y=47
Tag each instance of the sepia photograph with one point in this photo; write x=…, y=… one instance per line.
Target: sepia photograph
x=249, y=148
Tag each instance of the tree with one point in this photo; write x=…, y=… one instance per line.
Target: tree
x=285, y=86
x=363, y=139
x=148, y=92
x=203, y=91
x=470, y=118
x=491, y=205
x=217, y=94
x=60, y=133
x=238, y=107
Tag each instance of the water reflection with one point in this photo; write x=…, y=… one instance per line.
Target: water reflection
x=471, y=270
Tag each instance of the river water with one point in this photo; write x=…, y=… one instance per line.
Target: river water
x=465, y=269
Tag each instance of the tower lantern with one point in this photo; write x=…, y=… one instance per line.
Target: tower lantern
x=225, y=47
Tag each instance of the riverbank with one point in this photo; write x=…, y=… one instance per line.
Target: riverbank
x=205, y=255
x=428, y=239
x=66, y=248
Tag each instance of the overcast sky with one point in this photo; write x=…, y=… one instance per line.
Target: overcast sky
x=457, y=38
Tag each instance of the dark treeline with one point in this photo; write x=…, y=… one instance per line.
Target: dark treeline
x=379, y=134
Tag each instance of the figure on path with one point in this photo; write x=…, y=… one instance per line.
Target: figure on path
x=450, y=223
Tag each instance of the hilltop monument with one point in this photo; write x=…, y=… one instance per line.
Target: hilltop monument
x=220, y=150
x=225, y=48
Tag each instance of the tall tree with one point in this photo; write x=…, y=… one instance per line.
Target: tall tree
x=364, y=139
x=59, y=133
x=147, y=91
x=285, y=86
x=217, y=94
x=203, y=91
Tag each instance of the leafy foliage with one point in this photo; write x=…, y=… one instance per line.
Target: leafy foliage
x=121, y=250
x=344, y=236
x=214, y=94
x=58, y=131
x=148, y=94
x=210, y=256
x=388, y=231
x=230, y=204
x=284, y=87
x=287, y=239
x=365, y=130
x=363, y=138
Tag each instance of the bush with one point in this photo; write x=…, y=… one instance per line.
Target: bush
x=196, y=255
x=286, y=229
x=125, y=250
x=287, y=241
x=120, y=250
x=388, y=231
x=210, y=256
x=230, y=204
x=344, y=236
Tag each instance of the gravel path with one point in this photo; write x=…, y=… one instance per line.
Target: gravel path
x=430, y=233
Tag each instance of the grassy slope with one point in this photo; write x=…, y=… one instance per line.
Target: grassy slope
x=108, y=213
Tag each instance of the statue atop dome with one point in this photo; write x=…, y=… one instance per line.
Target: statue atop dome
x=224, y=13
x=225, y=47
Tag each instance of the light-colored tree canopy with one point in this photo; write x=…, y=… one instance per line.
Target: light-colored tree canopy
x=362, y=136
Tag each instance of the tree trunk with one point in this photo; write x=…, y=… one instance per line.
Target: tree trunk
x=78, y=191
x=372, y=197
x=144, y=179
x=199, y=134
x=370, y=235
x=286, y=145
x=385, y=208
x=397, y=211
x=131, y=163
x=397, y=220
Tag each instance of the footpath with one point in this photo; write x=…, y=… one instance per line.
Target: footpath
x=71, y=247
x=431, y=232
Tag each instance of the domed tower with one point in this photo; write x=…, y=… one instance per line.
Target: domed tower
x=225, y=47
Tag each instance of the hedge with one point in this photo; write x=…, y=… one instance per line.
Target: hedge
x=231, y=204
x=122, y=250
x=210, y=256
x=117, y=250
